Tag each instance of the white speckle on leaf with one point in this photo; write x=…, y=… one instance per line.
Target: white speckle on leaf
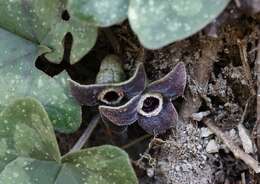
x=187, y=8
x=15, y=175
x=3, y=148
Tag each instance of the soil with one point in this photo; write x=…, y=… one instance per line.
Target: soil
x=222, y=79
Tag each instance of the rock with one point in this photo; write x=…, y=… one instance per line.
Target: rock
x=205, y=132
x=186, y=167
x=177, y=168
x=212, y=147
x=150, y=172
x=232, y=133
x=200, y=115
x=199, y=147
x=245, y=138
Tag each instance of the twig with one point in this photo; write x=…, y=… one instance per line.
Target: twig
x=243, y=55
x=118, y=134
x=85, y=136
x=227, y=181
x=131, y=44
x=238, y=153
x=245, y=111
x=258, y=81
x=253, y=50
x=136, y=141
x=245, y=138
x=258, y=99
x=108, y=132
x=146, y=154
x=243, y=178
x=113, y=40
x=138, y=162
x=238, y=3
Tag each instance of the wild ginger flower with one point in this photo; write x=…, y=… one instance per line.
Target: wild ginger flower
x=153, y=108
x=110, y=93
x=110, y=90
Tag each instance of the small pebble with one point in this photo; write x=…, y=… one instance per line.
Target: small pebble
x=205, y=132
x=177, y=168
x=200, y=115
x=212, y=147
x=150, y=172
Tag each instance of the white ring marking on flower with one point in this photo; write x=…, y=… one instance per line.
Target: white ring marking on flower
x=156, y=111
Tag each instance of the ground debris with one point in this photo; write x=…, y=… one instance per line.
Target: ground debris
x=219, y=83
x=187, y=163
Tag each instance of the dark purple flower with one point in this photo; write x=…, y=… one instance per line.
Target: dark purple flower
x=110, y=94
x=152, y=109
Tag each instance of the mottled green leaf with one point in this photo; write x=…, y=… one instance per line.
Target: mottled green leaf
x=29, y=153
x=41, y=22
x=14, y=49
x=30, y=171
x=101, y=165
x=108, y=169
x=25, y=130
x=20, y=78
x=158, y=23
x=101, y=13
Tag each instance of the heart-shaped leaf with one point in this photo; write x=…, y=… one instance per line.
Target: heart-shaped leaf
x=158, y=23
x=20, y=78
x=44, y=23
x=26, y=131
x=105, y=165
x=101, y=13
x=29, y=153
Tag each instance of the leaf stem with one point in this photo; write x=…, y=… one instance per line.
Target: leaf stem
x=85, y=136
